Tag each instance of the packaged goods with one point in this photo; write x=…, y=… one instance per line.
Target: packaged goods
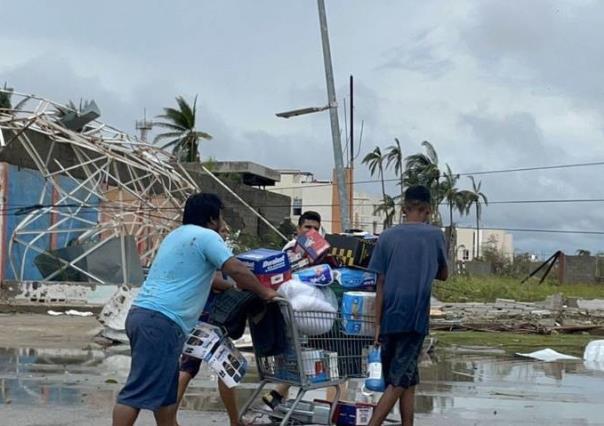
x=358, y=313
x=208, y=343
x=350, y=278
x=314, y=365
x=319, y=275
x=313, y=245
x=351, y=250
x=375, y=381
x=271, y=267
x=353, y=413
x=315, y=309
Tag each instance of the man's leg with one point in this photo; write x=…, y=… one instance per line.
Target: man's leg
x=385, y=404
x=230, y=402
x=184, y=378
x=166, y=416
x=407, y=406
x=124, y=415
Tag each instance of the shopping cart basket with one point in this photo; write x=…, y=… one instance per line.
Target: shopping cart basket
x=322, y=350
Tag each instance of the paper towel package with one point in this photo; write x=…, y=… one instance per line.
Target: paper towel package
x=319, y=275
x=358, y=313
x=271, y=267
x=355, y=278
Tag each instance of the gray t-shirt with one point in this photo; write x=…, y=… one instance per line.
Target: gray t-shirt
x=409, y=255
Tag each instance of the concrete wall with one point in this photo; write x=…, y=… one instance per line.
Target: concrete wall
x=274, y=207
x=578, y=269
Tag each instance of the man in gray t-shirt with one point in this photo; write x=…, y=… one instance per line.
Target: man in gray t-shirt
x=407, y=259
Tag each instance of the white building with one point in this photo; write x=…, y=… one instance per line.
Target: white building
x=309, y=193
x=496, y=238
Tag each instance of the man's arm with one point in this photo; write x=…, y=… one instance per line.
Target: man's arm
x=443, y=273
x=245, y=279
x=220, y=284
x=379, y=303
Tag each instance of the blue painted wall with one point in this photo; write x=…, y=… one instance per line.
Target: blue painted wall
x=24, y=188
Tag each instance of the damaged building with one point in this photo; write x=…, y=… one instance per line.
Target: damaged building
x=85, y=205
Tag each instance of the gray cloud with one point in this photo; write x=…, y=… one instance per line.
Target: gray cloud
x=491, y=84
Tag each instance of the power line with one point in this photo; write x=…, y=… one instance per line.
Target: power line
x=21, y=209
x=483, y=172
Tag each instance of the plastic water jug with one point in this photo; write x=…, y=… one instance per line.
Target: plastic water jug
x=375, y=381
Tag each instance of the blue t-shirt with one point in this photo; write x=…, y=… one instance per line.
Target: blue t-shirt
x=180, y=278
x=409, y=255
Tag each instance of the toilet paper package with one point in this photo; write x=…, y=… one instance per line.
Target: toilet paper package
x=358, y=313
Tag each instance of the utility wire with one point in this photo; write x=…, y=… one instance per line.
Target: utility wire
x=483, y=172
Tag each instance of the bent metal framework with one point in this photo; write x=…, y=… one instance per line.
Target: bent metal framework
x=99, y=184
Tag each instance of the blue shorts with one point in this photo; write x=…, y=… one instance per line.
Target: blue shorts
x=156, y=343
x=400, y=354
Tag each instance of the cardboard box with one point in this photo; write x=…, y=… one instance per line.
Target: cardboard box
x=228, y=363
x=202, y=341
x=271, y=267
x=313, y=245
x=353, y=413
x=208, y=343
x=351, y=250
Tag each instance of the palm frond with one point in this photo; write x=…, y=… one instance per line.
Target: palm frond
x=167, y=135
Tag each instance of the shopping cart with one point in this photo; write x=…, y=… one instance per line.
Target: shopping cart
x=322, y=350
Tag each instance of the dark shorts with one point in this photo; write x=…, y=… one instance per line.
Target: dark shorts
x=400, y=353
x=156, y=343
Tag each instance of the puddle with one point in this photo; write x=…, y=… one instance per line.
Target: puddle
x=471, y=388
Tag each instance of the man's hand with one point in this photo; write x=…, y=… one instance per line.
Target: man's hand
x=376, y=339
x=270, y=294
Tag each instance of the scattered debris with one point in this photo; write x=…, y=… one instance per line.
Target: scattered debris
x=548, y=355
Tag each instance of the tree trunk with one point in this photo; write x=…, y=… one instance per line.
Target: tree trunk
x=451, y=214
x=477, y=229
x=383, y=184
x=400, y=213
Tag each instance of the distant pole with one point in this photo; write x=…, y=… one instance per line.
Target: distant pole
x=333, y=115
x=351, y=189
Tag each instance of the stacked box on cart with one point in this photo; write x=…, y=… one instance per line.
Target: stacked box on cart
x=313, y=245
x=351, y=250
x=271, y=267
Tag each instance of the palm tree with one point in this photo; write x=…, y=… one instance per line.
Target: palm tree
x=475, y=196
x=456, y=199
x=5, y=97
x=182, y=135
x=394, y=156
x=375, y=161
x=387, y=207
x=422, y=169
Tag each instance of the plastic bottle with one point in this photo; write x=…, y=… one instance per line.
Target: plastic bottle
x=375, y=381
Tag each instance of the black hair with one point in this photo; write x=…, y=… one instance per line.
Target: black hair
x=417, y=197
x=309, y=215
x=201, y=209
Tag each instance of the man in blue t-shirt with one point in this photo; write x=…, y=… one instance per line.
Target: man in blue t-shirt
x=407, y=259
x=168, y=306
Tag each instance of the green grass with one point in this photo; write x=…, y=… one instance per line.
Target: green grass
x=572, y=344
x=489, y=288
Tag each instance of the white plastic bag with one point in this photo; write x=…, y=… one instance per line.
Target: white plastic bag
x=314, y=308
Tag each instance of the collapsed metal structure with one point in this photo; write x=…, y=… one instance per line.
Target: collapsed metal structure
x=101, y=188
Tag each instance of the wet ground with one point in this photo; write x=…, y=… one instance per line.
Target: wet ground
x=51, y=374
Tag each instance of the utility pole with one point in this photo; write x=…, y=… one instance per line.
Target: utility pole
x=351, y=176
x=333, y=115
x=144, y=126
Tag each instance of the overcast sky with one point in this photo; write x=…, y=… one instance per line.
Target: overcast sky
x=492, y=84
